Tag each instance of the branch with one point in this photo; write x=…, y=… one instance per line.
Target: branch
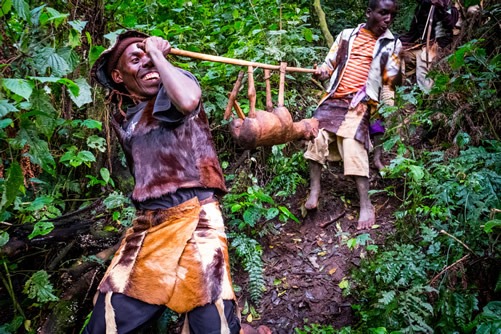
x=447, y=268
x=323, y=22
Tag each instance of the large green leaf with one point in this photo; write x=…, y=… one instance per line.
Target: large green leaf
x=84, y=96
x=41, y=228
x=56, y=16
x=39, y=152
x=48, y=58
x=22, y=8
x=6, y=122
x=72, y=86
x=39, y=287
x=46, y=116
x=95, y=52
x=491, y=225
x=4, y=238
x=13, y=182
x=6, y=107
x=70, y=56
x=20, y=87
x=6, y=7
x=78, y=25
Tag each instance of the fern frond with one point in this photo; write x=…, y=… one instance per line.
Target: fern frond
x=249, y=252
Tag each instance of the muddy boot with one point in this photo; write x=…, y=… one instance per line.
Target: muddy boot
x=315, y=174
x=367, y=216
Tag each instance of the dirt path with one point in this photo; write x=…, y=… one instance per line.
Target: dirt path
x=305, y=263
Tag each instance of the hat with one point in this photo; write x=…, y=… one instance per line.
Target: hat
x=108, y=60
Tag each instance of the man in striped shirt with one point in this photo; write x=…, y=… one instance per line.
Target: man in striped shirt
x=359, y=64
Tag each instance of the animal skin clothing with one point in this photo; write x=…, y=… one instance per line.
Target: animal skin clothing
x=176, y=252
x=176, y=257
x=167, y=150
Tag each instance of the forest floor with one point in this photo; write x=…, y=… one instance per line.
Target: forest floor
x=305, y=263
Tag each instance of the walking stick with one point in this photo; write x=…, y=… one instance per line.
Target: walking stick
x=427, y=30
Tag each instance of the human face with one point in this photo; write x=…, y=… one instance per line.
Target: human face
x=380, y=18
x=137, y=72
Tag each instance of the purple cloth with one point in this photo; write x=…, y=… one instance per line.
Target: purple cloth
x=376, y=127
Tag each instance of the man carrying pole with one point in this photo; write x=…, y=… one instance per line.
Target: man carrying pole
x=175, y=254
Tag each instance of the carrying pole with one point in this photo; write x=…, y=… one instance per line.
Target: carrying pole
x=218, y=59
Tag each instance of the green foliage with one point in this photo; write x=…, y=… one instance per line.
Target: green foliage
x=249, y=253
x=39, y=287
x=315, y=329
x=122, y=209
x=13, y=326
x=450, y=198
x=287, y=172
x=488, y=321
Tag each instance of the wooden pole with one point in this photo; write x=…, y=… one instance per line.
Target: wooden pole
x=281, y=87
x=251, y=92
x=218, y=59
x=269, y=102
x=430, y=28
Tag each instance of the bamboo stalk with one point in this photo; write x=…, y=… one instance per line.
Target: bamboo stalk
x=202, y=56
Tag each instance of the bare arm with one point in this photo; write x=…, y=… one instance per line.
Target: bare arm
x=184, y=93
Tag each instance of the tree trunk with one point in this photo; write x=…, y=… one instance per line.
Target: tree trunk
x=323, y=23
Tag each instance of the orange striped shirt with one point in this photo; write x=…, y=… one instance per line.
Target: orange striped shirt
x=358, y=65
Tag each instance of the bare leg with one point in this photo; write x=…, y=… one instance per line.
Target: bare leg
x=315, y=174
x=377, y=152
x=367, y=216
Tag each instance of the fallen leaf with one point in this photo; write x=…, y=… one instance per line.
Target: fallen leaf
x=313, y=260
x=332, y=271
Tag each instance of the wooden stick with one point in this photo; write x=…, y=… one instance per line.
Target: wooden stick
x=428, y=36
x=447, y=268
x=239, y=111
x=269, y=102
x=281, y=87
x=218, y=59
x=251, y=92
x=453, y=237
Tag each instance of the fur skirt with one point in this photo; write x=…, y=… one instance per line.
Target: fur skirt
x=177, y=257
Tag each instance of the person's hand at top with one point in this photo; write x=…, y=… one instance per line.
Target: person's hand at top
x=155, y=44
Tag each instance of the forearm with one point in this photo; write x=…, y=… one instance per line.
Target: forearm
x=184, y=93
